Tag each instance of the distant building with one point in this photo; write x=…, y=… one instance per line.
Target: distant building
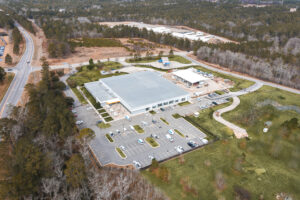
x=189, y=77
x=293, y=9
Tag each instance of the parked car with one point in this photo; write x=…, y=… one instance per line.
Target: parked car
x=122, y=148
x=192, y=144
x=118, y=131
x=131, y=127
x=215, y=103
x=171, y=131
x=205, y=141
x=140, y=141
x=79, y=122
x=137, y=164
x=151, y=157
x=74, y=111
x=179, y=149
x=168, y=136
x=162, y=109
x=154, y=121
x=155, y=136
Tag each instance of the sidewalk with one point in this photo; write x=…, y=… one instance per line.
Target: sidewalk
x=238, y=132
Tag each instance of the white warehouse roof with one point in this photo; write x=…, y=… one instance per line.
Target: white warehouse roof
x=189, y=76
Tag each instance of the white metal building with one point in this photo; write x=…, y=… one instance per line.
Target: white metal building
x=138, y=92
x=189, y=77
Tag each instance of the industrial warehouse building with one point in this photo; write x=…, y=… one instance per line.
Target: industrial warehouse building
x=138, y=92
x=189, y=77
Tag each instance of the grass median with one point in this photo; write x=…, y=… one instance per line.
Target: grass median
x=79, y=96
x=179, y=133
x=138, y=129
x=176, y=116
x=165, y=121
x=109, y=138
x=152, y=142
x=103, y=125
x=185, y=103
x=121, y=153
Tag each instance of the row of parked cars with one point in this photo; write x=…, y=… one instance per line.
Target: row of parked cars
x=2, y=50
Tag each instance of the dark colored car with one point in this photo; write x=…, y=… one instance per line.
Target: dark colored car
x=192, y=144
x=215, y=103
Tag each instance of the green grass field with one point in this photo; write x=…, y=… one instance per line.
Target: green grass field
x=259, y=167
x=85, y=75
x=208, y=125
x=79, y=96
x=180, y=59
x=108, y=65
x=89, y=96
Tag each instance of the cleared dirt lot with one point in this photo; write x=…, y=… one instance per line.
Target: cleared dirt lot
x=83, y=54
x=9, y=49
x=33, y=78
x=40, y=46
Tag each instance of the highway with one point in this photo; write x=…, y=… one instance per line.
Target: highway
x=22, y=71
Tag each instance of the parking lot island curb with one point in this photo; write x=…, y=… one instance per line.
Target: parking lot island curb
x=158, y=145
x=119, y=153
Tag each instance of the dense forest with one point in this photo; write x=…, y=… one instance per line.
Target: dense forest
x=269, y=37
x=48, y=157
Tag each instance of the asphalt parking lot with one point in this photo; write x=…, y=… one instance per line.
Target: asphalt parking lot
x=105, y=151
